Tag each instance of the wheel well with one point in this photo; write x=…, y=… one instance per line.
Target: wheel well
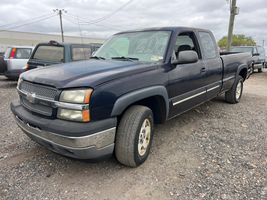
x=243, y=73
x=156, y=104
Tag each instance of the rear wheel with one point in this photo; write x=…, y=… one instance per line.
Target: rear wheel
x=260, y=70
x=134, y=136
x=234, y=95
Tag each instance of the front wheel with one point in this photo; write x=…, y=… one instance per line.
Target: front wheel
x=134, y=136
x=235, y=93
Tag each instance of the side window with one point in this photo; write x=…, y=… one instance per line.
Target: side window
x=184, y=42
x=209, y=47
x=23, y=53
x=79, y=53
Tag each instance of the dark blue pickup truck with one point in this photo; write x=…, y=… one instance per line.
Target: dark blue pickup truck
x=110, y=103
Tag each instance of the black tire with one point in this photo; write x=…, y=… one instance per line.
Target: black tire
x=230, y=96
x=260, y=70
x=127, y=137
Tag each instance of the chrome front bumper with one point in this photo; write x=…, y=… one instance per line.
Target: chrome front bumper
x=85, y=147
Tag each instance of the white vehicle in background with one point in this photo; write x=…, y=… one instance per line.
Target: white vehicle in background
x=16, y=58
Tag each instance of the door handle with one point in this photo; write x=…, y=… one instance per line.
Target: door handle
x=203, y=69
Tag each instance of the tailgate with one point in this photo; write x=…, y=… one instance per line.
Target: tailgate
x=32, y=64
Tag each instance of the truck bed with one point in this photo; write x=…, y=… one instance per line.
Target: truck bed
x=230, y=59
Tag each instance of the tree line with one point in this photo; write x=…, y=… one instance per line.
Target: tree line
x=238, y=40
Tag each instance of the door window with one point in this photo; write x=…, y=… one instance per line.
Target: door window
x=185, y=42
x=23, y=53
x=208, y=45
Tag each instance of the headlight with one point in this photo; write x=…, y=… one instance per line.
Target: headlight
x=76, y=96
x=74, y=115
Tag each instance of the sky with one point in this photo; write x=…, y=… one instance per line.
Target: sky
x=102, y=18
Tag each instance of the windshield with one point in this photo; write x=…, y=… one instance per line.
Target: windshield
x=147, y=46
x=242, y=49
x=49, y=53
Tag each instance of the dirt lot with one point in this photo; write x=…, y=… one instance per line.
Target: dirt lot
x=216, y=151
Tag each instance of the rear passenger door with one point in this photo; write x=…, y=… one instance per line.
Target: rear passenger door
x=187, y=82
x=212, y=62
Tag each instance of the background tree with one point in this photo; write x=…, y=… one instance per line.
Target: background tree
x=238, y=40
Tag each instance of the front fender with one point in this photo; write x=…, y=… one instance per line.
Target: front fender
x=126, y=100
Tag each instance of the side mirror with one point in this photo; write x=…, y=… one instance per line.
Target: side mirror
x=255, y=54
x=186, y=57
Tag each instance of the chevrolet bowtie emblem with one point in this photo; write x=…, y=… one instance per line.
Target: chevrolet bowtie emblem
x=31, y=97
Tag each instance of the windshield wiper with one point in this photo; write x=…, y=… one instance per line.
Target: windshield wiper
x=98, y=58
x=124, y=58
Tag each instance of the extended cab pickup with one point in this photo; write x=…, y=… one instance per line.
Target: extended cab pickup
x=109, y=104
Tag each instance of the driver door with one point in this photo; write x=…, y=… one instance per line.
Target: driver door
x=186, y=81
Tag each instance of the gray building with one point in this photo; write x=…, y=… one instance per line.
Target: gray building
x=8, y=38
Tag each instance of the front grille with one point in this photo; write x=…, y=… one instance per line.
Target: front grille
x=40, y=91
x=38, y=108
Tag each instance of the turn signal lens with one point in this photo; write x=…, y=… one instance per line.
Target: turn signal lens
x=26, y=67
x=86, y=116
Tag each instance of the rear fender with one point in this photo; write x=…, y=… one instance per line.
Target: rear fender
x=240, y=68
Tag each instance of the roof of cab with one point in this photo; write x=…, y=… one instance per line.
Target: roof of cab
x=55, y=43
x=30, y=47
x=169, y=28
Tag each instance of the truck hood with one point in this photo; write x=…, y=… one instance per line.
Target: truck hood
x=84, y=73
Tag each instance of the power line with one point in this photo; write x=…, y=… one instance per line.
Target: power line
x=70, y=18
x=34, y=18
x=94, y=21
x=26, y=24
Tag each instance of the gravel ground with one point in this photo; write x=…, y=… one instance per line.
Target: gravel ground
x=216, y=151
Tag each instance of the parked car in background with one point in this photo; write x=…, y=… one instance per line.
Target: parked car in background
x=109, y=104
x=51, y=53
x=15, y=59
x=257, y=60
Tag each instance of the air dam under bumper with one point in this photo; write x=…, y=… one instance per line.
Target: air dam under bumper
x=91, y=146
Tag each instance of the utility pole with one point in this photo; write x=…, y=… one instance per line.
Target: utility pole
x=263, y=41
x=59, y=12
x=234, y=10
